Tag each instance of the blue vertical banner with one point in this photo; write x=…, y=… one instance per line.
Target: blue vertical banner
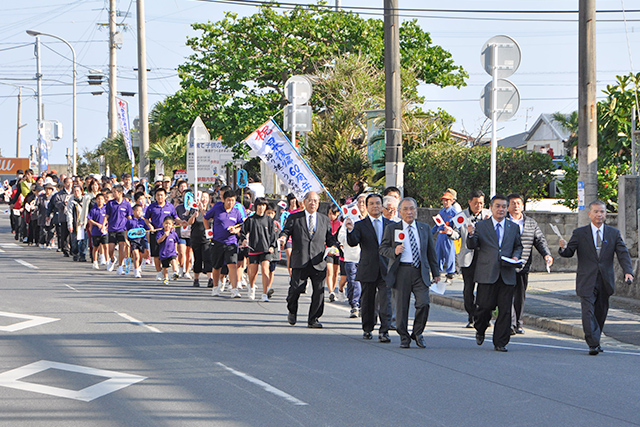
x=580, y=195
x=123, y=121
x=44, y=152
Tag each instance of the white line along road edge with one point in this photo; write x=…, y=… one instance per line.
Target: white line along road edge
x=267, y=387
x=26, y=264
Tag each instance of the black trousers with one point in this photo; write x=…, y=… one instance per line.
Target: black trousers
x=594, y=312
x=46, y=234
x=468, y=290
x=489, y=297
x=519, y=295
x=372, y=299
x=408, y=281
x=298, y=284
x=201, y=256
x=65, y=238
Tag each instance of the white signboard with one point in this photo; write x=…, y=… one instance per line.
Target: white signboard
x=212, y=155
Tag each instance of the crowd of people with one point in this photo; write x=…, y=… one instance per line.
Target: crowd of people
x=372, y=252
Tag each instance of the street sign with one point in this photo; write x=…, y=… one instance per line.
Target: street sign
x=298, y=88
x=507, y=100
x=580, y=195
x=51, y=129
x=303, y=118
x=507, y=53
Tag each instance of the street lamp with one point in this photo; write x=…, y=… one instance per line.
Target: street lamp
x=73, y=51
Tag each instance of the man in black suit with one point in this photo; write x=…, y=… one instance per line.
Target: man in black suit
x=493, y=239
x=310, y=231
x=409, y=247
x=372, y=268
x=595, y=280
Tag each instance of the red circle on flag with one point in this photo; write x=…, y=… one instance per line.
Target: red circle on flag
x=354, y=211
x=460, y=220
x=401, y=236
x=345, y=210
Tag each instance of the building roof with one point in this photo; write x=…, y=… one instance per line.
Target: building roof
x=559, y=131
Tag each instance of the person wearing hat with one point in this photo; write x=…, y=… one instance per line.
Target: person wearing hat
x=44, y=219
x=445, y=249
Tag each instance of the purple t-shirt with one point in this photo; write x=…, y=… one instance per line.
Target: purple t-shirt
x=118, y=213
x=156, y=213
x=97, y=214
x=223, y=220
x=168, y=245
x=136, y=223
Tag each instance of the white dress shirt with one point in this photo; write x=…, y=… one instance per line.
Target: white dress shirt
x=315, y=219
x=406, y=255
x=594, y=233
x=502, y=223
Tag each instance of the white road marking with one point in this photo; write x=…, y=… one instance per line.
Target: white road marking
x=26, y=264
x=115, y=381
x=557, y=347
x=10, y=245
x=29, y=322
x=71, y=287
x=1, y=251
x=267, y=387
x=138, y=322
x=339, y=307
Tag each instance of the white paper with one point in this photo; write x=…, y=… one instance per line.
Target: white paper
x=512, y=261
x=80, y=235
x=548, y=268
x=439, y=287
x=556, y=231
x=399, y=236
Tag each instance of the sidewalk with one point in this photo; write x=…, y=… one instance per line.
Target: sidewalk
x=552, y=304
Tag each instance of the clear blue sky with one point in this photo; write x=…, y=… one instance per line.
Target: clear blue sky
x=547, y=77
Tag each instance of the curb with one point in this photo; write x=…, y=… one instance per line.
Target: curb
x=531, y=320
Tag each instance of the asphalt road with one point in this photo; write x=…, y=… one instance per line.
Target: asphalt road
x=132, y=352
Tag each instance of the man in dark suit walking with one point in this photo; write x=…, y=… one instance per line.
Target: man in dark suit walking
x=310, y=231
x=372, y=268
x=409, y=247
x=595, y=280
x=494, y=239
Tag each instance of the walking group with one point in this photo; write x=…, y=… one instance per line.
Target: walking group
x=372, y=253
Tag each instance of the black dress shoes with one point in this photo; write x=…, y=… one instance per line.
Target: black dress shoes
x=469, y=324
x=292, y=319
x=513, y=331
x=479, y=338
x=405, y=344
x=419, y=339
x=600, y=350
x=500, y=349
x=593, y=351
x=367, y=336
x=384, y=337
x=315, y=325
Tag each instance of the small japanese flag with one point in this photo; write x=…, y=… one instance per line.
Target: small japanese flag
x=185, y=228
x=282, y=204
x=193, y=205
x=209, y=233
x=438, y=220
x=459, y=220
x=6, y=211
x=399, y=236
x=351, y=211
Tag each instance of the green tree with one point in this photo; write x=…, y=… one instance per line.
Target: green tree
x=235, y=78
x=115, y=156
x=172, y=150
x=614, y=142
x=431, y=169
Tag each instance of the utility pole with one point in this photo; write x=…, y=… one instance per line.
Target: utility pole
x=394, y=166
x=338, y=5
x=587, y=108
x=19, y=121
x=143, y=115
x=113, y=122
x=39, y=95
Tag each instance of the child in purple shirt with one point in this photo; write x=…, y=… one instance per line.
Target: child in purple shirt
x=168, y=251
x=99, y=236
x=137, y=245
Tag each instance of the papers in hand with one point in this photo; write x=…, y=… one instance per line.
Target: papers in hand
x=556, y=231
x=438, y=288
x=516, y=263
x=331, y=250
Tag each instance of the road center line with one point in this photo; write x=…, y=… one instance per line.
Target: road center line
x=26, y=264
x=267, y=387
x=138, y=322
x=71, y=287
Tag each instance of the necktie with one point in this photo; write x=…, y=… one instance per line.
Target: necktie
x=598, y=242
x=311, y=225
x=377, y=227
x=415, y=253
x=498, y=233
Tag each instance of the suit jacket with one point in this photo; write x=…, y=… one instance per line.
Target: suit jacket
x=489, y=267
x=306, y=249
x=372, y=265
x=465, y=257
x=589, y=264
x=428, y=259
